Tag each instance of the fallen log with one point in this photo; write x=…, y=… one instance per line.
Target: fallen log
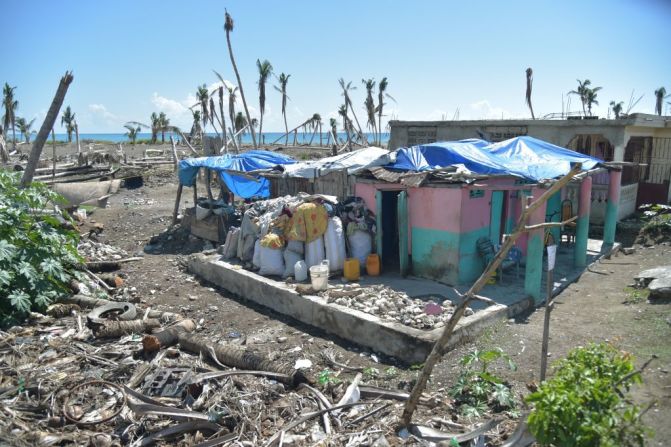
x=237, y=357
x=116, y=329
x=167, y=337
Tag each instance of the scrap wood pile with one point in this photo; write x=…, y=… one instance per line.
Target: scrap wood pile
x=277, y=234
x=113, y=375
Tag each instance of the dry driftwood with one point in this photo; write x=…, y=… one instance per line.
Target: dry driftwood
x=90, y=302
x=236, y=356
x=167, y=337
x=115, y=329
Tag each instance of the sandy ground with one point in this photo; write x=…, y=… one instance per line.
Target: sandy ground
x=592, y=309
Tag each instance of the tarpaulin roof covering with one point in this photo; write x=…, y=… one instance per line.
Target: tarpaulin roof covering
x=245, y=162
x=352, y=161
x=525, y=157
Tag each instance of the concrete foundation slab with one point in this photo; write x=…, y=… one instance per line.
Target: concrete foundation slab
x=407, y=344
x=396, y=340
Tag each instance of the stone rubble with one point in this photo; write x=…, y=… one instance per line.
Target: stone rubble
x=390, y=305
x=97, y=251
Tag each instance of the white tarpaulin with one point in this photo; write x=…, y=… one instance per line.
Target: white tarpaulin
x=352, y=161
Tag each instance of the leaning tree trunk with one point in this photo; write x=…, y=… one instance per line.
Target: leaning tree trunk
x=286, y=128
x=223, y=122
x=48, y=123
x=79, y=148
x=242, y=93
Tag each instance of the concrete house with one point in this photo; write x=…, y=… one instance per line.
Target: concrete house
x=639, y=138
x=429, y=223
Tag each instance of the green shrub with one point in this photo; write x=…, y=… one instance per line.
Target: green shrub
x=37, y=255
x=477, y=390
x=584, y=404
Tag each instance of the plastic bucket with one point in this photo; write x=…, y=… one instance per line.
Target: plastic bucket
x=319, y=276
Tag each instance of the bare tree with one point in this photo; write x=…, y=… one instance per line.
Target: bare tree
x=47, y=125
x=530, y=82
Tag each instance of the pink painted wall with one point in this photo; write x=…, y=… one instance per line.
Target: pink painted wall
x=476, y=212
x=433, y=208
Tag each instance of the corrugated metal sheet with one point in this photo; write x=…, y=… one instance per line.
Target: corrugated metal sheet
x=337, y=183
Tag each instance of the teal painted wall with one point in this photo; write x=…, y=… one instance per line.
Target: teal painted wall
x=495, y=220
x=435, y=254
x=471, y=264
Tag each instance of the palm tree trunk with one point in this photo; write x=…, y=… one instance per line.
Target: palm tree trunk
x=379, y=126
x=13, y=134
x=355, y=118
x=242, y=93
x=43, y=134
x=286, y=128
x=223, y=125
x=261, y=128
x=320, y=135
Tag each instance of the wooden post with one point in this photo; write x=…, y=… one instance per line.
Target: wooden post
x=79, y=148
x=174, y=157
x=177, y=200
x=442, y=343
x=195, y=192
x=546, y=324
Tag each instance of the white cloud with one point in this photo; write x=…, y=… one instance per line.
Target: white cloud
x=484, y=110
x=171, y=107
x=101, y=111
x=437, y=115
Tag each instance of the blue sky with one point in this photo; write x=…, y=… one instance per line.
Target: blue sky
x=131, y=58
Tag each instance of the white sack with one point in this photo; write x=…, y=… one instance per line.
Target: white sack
x=272, y=261
x=361, y=245
x=334, y=244
x=314, y=252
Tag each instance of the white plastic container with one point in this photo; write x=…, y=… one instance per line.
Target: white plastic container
x=300, y=271
x=319, y=276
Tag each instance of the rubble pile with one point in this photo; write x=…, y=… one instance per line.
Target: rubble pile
x=92, y=250
x=388, y=304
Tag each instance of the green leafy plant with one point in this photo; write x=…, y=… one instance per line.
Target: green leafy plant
x=478, y=390
x=635, y=296
x=326, y=377
x=38, y=255
x=390, y=372
x=584, y=403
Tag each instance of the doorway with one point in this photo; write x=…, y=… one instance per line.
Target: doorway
x=390, y=260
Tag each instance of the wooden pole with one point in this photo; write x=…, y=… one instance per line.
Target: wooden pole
x=546, y=326
x=79, y=147
x=177, y=200
x=442, y=343
x=174, y=154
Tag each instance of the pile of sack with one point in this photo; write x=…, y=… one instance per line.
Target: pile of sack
x=288, y=235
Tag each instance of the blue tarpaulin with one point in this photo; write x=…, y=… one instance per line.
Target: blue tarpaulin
x=245, y=162
x=537, y=159
x=525, y=157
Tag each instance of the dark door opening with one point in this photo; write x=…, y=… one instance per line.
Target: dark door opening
x=390, y=247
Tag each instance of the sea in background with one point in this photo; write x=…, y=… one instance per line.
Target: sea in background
x=269, y=137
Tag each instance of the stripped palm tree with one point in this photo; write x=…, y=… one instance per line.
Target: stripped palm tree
x=382, y=93
x=530, y=82
x=155, y=125
x=220, y=92
x=590, y=98
x=265, y=70
x=346, y=124
x=24, y=127
x=163, y=122
x=334, y=129
x=11, y=106
x=346, y=88
x=196, y=130
x=240, y=126
x=314, y=125
x=68, y=119
x=202, y=96
x=132, y=133
x=660, y=96
x=369, y=104
x=228, y=26
x=232, y=92
x=283, y=79
x=581, y=92
x=617, y=108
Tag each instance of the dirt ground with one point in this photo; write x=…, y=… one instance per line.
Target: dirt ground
x=598, y=307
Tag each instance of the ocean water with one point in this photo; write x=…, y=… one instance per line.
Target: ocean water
x=269, y=137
